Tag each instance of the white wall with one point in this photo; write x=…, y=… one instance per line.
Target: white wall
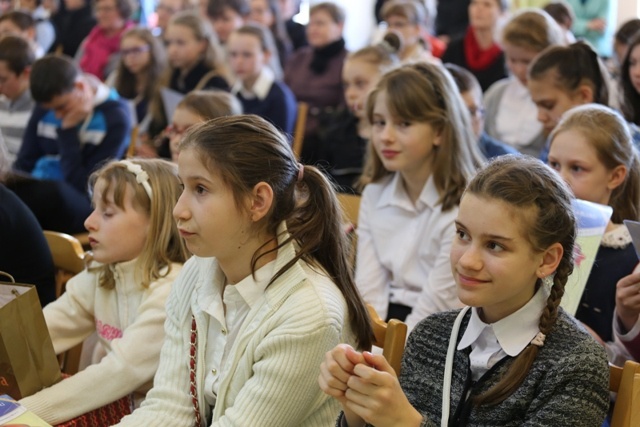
x=627, y=9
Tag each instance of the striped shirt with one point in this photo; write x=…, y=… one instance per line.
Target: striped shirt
x=14, y=116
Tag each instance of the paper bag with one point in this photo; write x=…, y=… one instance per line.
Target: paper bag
x=28, y=362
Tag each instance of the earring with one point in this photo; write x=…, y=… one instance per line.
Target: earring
x=547, y=281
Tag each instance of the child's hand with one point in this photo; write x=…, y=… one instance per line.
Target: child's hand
x=337, y=368
x=628, y=298
x=79, y=106
x=375, y=395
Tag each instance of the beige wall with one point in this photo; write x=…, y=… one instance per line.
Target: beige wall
x=627, y=9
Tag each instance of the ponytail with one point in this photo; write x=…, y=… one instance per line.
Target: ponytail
x=246, y=150
x=573, y=66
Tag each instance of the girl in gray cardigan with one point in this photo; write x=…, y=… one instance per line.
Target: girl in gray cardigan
x=515, y=357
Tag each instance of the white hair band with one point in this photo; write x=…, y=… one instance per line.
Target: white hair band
x=141, y=176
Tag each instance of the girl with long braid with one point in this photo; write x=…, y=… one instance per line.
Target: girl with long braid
x=512, y=358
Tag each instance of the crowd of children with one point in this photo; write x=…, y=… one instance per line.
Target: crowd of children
x=222, y=289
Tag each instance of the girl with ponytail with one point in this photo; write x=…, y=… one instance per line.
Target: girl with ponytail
x=515, y=357
x=267, y=293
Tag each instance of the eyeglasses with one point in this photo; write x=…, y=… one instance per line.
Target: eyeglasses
x=476, y=111
x=172, y=131
x=134, y=50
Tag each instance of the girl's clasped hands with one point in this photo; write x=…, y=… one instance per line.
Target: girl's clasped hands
x=367, y=387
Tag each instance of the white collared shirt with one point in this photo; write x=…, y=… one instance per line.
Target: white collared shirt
x=260, y=88
x=227, y=307
x=517, y=117
x=403, y=249
x=507, y=337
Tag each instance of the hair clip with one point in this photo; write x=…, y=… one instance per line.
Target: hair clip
x=538, y=339
x=142, y=177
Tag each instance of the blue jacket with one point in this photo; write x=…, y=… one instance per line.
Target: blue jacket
x=81, y=149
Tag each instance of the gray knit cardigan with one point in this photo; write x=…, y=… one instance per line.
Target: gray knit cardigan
x=568, y=384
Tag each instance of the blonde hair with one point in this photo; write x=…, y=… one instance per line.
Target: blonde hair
x=608, y=133
x=163, y=245
x=426, y=93
x=532, y=29
x=210, y=104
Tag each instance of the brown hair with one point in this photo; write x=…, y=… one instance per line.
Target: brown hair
x=631, y=98
x=163, y=245
x=124, y=8
x=570, y=67
x=336, y=12
x=17, y=53
x=413, y=11
x=125, y=83
x=267, y=44
x=210, y=104
x=426, y=93
x=384, y=55
x=532, y=187
x=609, y=135
x=532, y=29
x=245, y=150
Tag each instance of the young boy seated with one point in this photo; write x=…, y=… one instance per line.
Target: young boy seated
x=16, y=59
x=77, y=124
x=18, y=23
x=472, y=96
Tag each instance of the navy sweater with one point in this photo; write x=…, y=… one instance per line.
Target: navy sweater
x=279, y=107
x=105, y=137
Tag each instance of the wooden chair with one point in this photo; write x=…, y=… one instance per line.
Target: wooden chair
x=390, y=336
x=298, y=132
x=350, y=204
x=626, y=383
x=133, y=141
x=69, y=259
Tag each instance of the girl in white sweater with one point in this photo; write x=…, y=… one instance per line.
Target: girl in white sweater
x=267, y=293
x=121, y=296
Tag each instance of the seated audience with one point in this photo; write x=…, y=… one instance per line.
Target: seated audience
x=142, y=62
x=45, y=32
x=121, y=296
x=471, y=93
x=513, y=357
x=16, y=59
x=267, y=13
x=250, y=49
x=423, y=152
x=314, y=72
x=345, y=139
x=591, y=149
x=511, y=114
x=267, y=293
x=77, y=124
x=18, y=23
x=409, y=19
x=73, y=23
x=99, y=53
x=197, y=107
x=225, y=16
x=478, y=50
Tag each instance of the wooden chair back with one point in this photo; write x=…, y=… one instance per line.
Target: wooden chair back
x=390, y=336
x=298, y=131
x=625, y=381
x=350, y=204
x=133, y=141
x=69, y=259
